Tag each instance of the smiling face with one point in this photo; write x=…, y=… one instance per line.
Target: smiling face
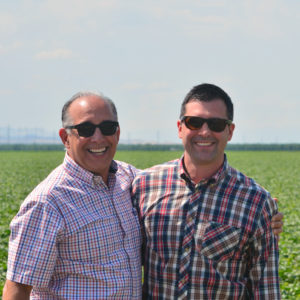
x=204, y=147
x=93, y=153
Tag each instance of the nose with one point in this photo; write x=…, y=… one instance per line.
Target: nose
x=97, y=135
x=204, y=130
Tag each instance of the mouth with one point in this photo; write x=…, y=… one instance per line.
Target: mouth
x=98, y=151
x=204, y=144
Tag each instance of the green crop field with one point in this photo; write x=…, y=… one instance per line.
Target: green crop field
x=278, y=172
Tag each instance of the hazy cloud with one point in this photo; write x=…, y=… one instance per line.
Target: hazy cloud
x=146, y=87
x=4, y=49
x=147, y=55
x=55, y=54
x=8, y=24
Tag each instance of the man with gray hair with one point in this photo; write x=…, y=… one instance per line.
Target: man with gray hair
x=77, y=236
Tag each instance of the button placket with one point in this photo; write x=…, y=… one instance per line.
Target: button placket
x=187, y=244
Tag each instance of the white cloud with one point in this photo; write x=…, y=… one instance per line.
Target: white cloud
x=55, y=54
x=146, y=87
x=4, y=49
x=260, y=19
x=8, y=24
x=6, y=92
x=147, y=54
x=72, y=9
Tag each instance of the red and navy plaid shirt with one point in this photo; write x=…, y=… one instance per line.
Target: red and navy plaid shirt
x=211, y=240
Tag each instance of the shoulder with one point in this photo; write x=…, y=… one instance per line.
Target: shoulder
x=45, y=193
x=256, y=200
x=125, y=169
x=156, y=174
x=39, y=208
x=161, y=168
x=56, y=178
x=246, y=183
x=158, y=170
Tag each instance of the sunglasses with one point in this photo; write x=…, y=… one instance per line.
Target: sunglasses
x=87, y=129
x=214, y=124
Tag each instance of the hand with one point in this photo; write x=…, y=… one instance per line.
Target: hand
x=15, y=291
x=277, y=222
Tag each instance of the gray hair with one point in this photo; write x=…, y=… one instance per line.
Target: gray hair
x=65, y=116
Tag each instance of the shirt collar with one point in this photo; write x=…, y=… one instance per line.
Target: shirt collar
x=219, y=175
x=82, y=174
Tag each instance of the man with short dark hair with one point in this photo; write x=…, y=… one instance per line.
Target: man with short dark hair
x=206, y=226
x=77, y=235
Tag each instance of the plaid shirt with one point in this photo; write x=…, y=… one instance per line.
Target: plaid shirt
x=76, y=238
x=211, y=240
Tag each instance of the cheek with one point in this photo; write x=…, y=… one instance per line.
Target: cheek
x=223, y=138
x=113, y=141
x=184, y=133
x=78, y=146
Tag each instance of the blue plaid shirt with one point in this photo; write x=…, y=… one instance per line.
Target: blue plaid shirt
x=211, y=240
x=77, y=238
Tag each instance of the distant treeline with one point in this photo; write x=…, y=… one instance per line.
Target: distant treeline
x=153, y=147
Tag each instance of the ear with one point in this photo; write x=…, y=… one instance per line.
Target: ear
x=64, y=137
x=179, y=127
x=118, y=134
x=231, y=129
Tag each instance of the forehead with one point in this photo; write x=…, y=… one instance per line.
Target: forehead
x=90, y=108
x=214, y=108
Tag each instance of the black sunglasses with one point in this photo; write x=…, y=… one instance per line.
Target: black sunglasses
x=214, y=124
x=87, y=129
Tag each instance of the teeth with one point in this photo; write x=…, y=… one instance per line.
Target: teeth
x=203, y=144
x=97, y=150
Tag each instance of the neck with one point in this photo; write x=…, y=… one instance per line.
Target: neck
x=200, y=171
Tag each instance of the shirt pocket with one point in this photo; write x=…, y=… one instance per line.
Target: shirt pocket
x=217, y=241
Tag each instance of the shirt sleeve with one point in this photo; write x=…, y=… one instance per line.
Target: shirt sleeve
x=264, y=277
x=35, y=231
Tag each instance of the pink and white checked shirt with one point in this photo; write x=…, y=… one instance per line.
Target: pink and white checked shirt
x=76, y=238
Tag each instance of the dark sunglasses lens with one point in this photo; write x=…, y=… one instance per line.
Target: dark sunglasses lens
x=217, y=125
x=194, y=123
x=86, y=130
x=214, y=124
x=108, y=127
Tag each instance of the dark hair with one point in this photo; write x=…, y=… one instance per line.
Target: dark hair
x=65, y=117
x=207, y=92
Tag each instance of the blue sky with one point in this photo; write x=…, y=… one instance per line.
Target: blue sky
x=146, y=55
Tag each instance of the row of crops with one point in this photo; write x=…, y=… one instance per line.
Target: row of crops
x=279, y=172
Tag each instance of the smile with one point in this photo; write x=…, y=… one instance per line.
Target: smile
x=204, y=144
x=98, y=151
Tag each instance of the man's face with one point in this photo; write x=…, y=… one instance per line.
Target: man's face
x=93, y=153
x=204, y=146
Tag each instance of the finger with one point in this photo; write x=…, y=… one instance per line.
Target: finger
x=276, y=225
x=277, y=231
x=278, y=217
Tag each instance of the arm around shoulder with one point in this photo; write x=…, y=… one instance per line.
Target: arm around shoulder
x=16, y=291
x=277, y=222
